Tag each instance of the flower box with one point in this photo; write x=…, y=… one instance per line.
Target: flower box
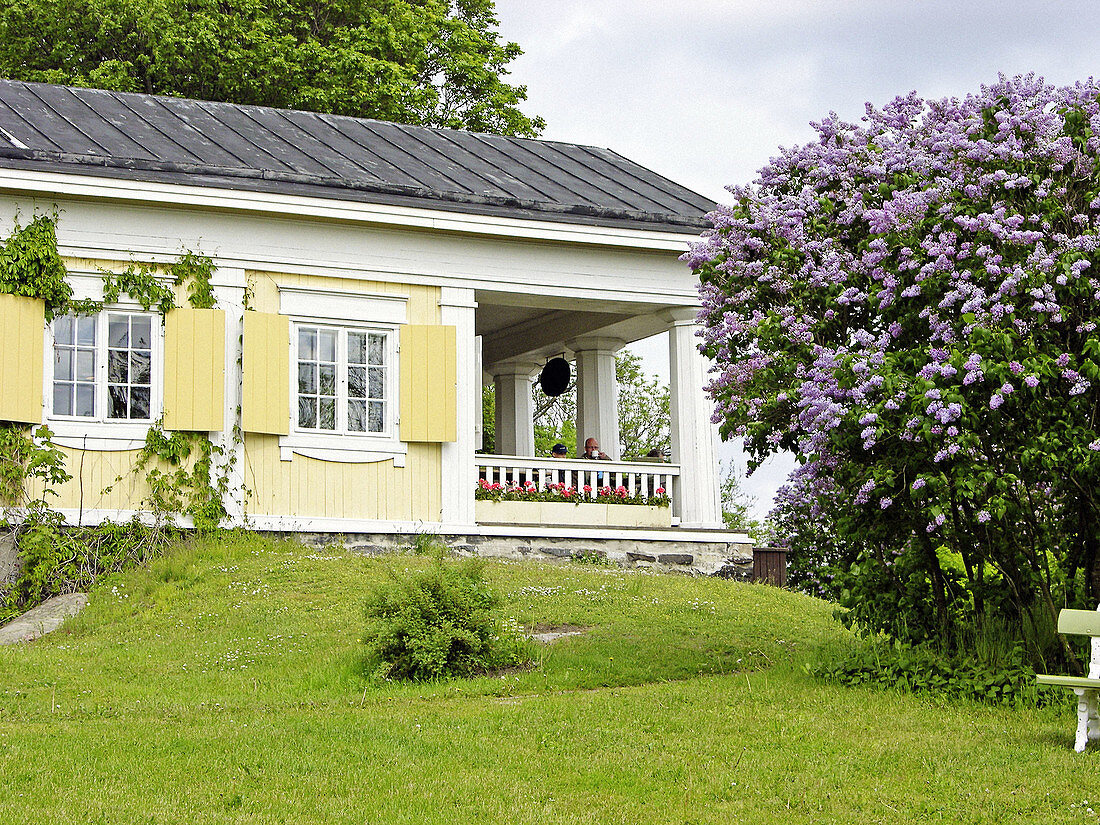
x=565, y=514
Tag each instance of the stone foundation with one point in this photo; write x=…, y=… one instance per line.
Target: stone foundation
x=700, y=558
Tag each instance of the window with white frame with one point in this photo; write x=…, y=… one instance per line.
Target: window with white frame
x=103, y=366
x=343, y=379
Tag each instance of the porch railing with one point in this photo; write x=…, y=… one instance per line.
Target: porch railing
x=638, y=477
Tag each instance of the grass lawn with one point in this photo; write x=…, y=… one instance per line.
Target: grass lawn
x=224, y=684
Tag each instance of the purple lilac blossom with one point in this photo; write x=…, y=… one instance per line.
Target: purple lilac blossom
x=910, y=238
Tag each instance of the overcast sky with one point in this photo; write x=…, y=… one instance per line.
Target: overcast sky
x=705, y=91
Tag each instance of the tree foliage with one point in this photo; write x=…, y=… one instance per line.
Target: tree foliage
x=909, y=305
x=426, y=62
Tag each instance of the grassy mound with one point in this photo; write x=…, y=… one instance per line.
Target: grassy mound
x=226, y=683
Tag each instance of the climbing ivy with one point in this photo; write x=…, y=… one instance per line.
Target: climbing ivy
x=195, y=272
x=140, y=282
x=30, y=265
x=200, y=491
x=28, y=458
x=197, y=491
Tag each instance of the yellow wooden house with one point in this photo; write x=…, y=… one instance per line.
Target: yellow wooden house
x=370, y=278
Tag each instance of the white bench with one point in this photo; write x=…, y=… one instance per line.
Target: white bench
x=1081, y=623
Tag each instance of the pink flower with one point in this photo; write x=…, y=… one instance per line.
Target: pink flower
x=660, y=491
x=588, y=488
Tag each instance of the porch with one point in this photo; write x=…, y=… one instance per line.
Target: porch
x=504, y=340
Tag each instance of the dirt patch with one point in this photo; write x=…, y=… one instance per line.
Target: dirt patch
x=548, y=634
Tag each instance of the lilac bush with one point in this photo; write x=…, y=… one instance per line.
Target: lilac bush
x=910, y=305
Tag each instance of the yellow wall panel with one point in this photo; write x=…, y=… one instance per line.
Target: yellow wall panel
x=194, y=370
x=428, y=408
x=22, y=326
x=100, y=481
x=265, y=366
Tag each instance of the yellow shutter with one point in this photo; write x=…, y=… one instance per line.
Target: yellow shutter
x=194, y=370
x=265, y=396
x=428, y=403
x=22, y=326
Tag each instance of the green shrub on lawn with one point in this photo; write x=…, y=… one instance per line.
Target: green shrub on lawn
x=440, y=622
x=926, y=669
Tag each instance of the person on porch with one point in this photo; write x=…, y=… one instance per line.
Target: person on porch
x=592, y=451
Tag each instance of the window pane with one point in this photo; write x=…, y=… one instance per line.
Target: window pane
x=118, y=331
x=357, y=382
x=357, y=348
x=375, y=419
x=62, y=399
x=63, y=329
x=328, y=414
x=63, y=365
x=307, y=378
x=140, y=367
x=116, y=366
x=139, y=403
x=327, y=345
x=85, y=365
x=328, y=379
x=85, y=399
x=117, y=402
x=375, y=389
x=357, y=416
x=307, y=412
x=141, y=331
x=85, y=330
x=307, y=344
x=377, y=349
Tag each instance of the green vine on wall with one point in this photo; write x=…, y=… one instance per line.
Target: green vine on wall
x=195, y=273
x=198, y=492
x=140, y=282
x=31, y=266
x=27, y=455
x=179, y=468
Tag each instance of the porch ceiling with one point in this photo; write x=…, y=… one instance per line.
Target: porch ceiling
x=540, y=327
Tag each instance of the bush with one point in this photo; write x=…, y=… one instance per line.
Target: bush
x=58, y=560
x=928, y=669
x=439, y=623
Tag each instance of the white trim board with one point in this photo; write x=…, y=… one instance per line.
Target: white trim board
x=89, y=186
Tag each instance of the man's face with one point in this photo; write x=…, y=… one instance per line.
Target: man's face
x=591, y=445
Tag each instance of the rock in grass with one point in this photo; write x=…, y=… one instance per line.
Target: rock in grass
x=43, y=619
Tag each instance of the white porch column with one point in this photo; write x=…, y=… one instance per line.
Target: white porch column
x=597, y=393
x=456, y=306
x=515, y=412
x=694, y=437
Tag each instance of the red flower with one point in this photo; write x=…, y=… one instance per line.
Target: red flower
x=660, y=491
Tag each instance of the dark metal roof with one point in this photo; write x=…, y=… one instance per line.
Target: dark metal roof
x=199, y=143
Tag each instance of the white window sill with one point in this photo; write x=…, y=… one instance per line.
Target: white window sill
x=102, y=436
x=343, y=448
